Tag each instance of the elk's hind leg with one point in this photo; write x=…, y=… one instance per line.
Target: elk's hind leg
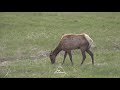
x=84, y=57
x=91, y=54
x=83, y=54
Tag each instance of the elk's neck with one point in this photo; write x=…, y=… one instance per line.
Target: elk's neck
x=57, y=50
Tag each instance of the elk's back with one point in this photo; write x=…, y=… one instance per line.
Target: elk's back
x=69, y=42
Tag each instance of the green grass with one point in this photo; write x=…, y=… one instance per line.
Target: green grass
x=24, y=36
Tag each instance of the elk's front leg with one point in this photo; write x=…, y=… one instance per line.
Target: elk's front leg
x=64, y=57
x=70, y=55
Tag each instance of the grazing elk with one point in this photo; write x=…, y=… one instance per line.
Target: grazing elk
x=70, y=42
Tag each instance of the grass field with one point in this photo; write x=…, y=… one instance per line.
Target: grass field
x=26, y=38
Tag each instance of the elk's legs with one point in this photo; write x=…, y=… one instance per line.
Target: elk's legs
x=84, y=56
x=91, y=54
x=70, y=55
x=64, y=57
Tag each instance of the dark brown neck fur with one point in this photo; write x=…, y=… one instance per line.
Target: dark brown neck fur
x=57, y=50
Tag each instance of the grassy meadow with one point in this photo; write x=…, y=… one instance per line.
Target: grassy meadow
x=26, y=39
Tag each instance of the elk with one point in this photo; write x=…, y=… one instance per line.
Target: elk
x=70, y=42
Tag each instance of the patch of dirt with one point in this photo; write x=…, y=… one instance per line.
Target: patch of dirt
x=39, y=55
x=4, y=63
x=7, y=59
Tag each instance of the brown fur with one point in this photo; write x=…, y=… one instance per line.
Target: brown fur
x=70, y=42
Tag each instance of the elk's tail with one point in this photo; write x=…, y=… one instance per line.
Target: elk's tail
x=89, y=40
